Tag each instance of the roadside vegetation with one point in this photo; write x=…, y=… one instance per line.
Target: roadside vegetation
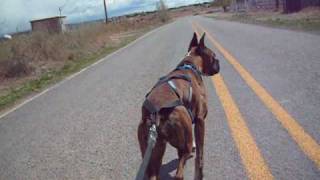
x=307, y=19
x=31, y=61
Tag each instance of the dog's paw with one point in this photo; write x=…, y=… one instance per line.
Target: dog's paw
x=193, y=146
x=198, y=174
x=193, y=149
x=190, y=156
x=178, y=178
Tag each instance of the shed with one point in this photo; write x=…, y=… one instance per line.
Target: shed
x=52, y=24
x=287, y=5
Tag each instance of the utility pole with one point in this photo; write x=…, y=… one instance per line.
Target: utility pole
x=105, y=10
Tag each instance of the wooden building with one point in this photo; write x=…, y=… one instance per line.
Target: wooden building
x=51, y=25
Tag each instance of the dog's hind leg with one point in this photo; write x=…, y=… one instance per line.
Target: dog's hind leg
x=153, y=170
x=181, y=137
x=199, y=136
x=184, y=154
x=193, y=142
x=155, y=162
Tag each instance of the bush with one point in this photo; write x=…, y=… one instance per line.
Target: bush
x=15, y=62
x=17, y=68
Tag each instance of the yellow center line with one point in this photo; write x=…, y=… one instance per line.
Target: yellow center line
x=308, y=145
x=251, y=157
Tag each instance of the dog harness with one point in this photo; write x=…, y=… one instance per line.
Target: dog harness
x=179, y=102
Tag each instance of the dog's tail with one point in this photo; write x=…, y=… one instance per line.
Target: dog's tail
x=152, y=139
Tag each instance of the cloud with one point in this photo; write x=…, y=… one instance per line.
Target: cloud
x=115, y=4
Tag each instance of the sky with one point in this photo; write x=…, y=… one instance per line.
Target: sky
x=15, y=15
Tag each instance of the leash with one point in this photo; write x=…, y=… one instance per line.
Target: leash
x=152, y=139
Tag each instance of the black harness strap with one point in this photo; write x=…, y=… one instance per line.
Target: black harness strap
x=150, y=107
x=165, y=79
x=188, y=106
x=178, y=76
x=153, y=109
x=168, y=79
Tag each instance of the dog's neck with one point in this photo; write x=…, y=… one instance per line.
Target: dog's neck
x=190, y=62
x=188, y=54
x=192, y=58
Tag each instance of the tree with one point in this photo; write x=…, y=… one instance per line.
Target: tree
x=162, y=11
x=223, y=3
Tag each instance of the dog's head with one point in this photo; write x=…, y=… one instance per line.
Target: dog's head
x=210, y=65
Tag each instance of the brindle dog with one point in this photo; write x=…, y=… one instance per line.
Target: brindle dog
x=175, y=123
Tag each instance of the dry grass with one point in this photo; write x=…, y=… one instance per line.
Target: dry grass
x=33, y=54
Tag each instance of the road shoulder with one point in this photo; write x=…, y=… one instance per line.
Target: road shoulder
x=307, y=20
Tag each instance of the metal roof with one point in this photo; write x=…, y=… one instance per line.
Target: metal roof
x=44, y=19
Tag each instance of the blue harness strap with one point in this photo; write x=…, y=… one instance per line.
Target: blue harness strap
x=191, y=67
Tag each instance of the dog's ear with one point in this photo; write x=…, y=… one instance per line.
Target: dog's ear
x=194, y=42
x=201, y=43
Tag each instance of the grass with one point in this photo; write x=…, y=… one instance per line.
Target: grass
x=54, y=76
x=299, y=24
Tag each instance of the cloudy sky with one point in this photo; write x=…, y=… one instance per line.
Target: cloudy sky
x=16, y=14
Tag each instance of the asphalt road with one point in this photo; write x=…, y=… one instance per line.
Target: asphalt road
x=85, y=127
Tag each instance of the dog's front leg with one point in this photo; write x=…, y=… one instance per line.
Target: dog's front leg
x=199, y=136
